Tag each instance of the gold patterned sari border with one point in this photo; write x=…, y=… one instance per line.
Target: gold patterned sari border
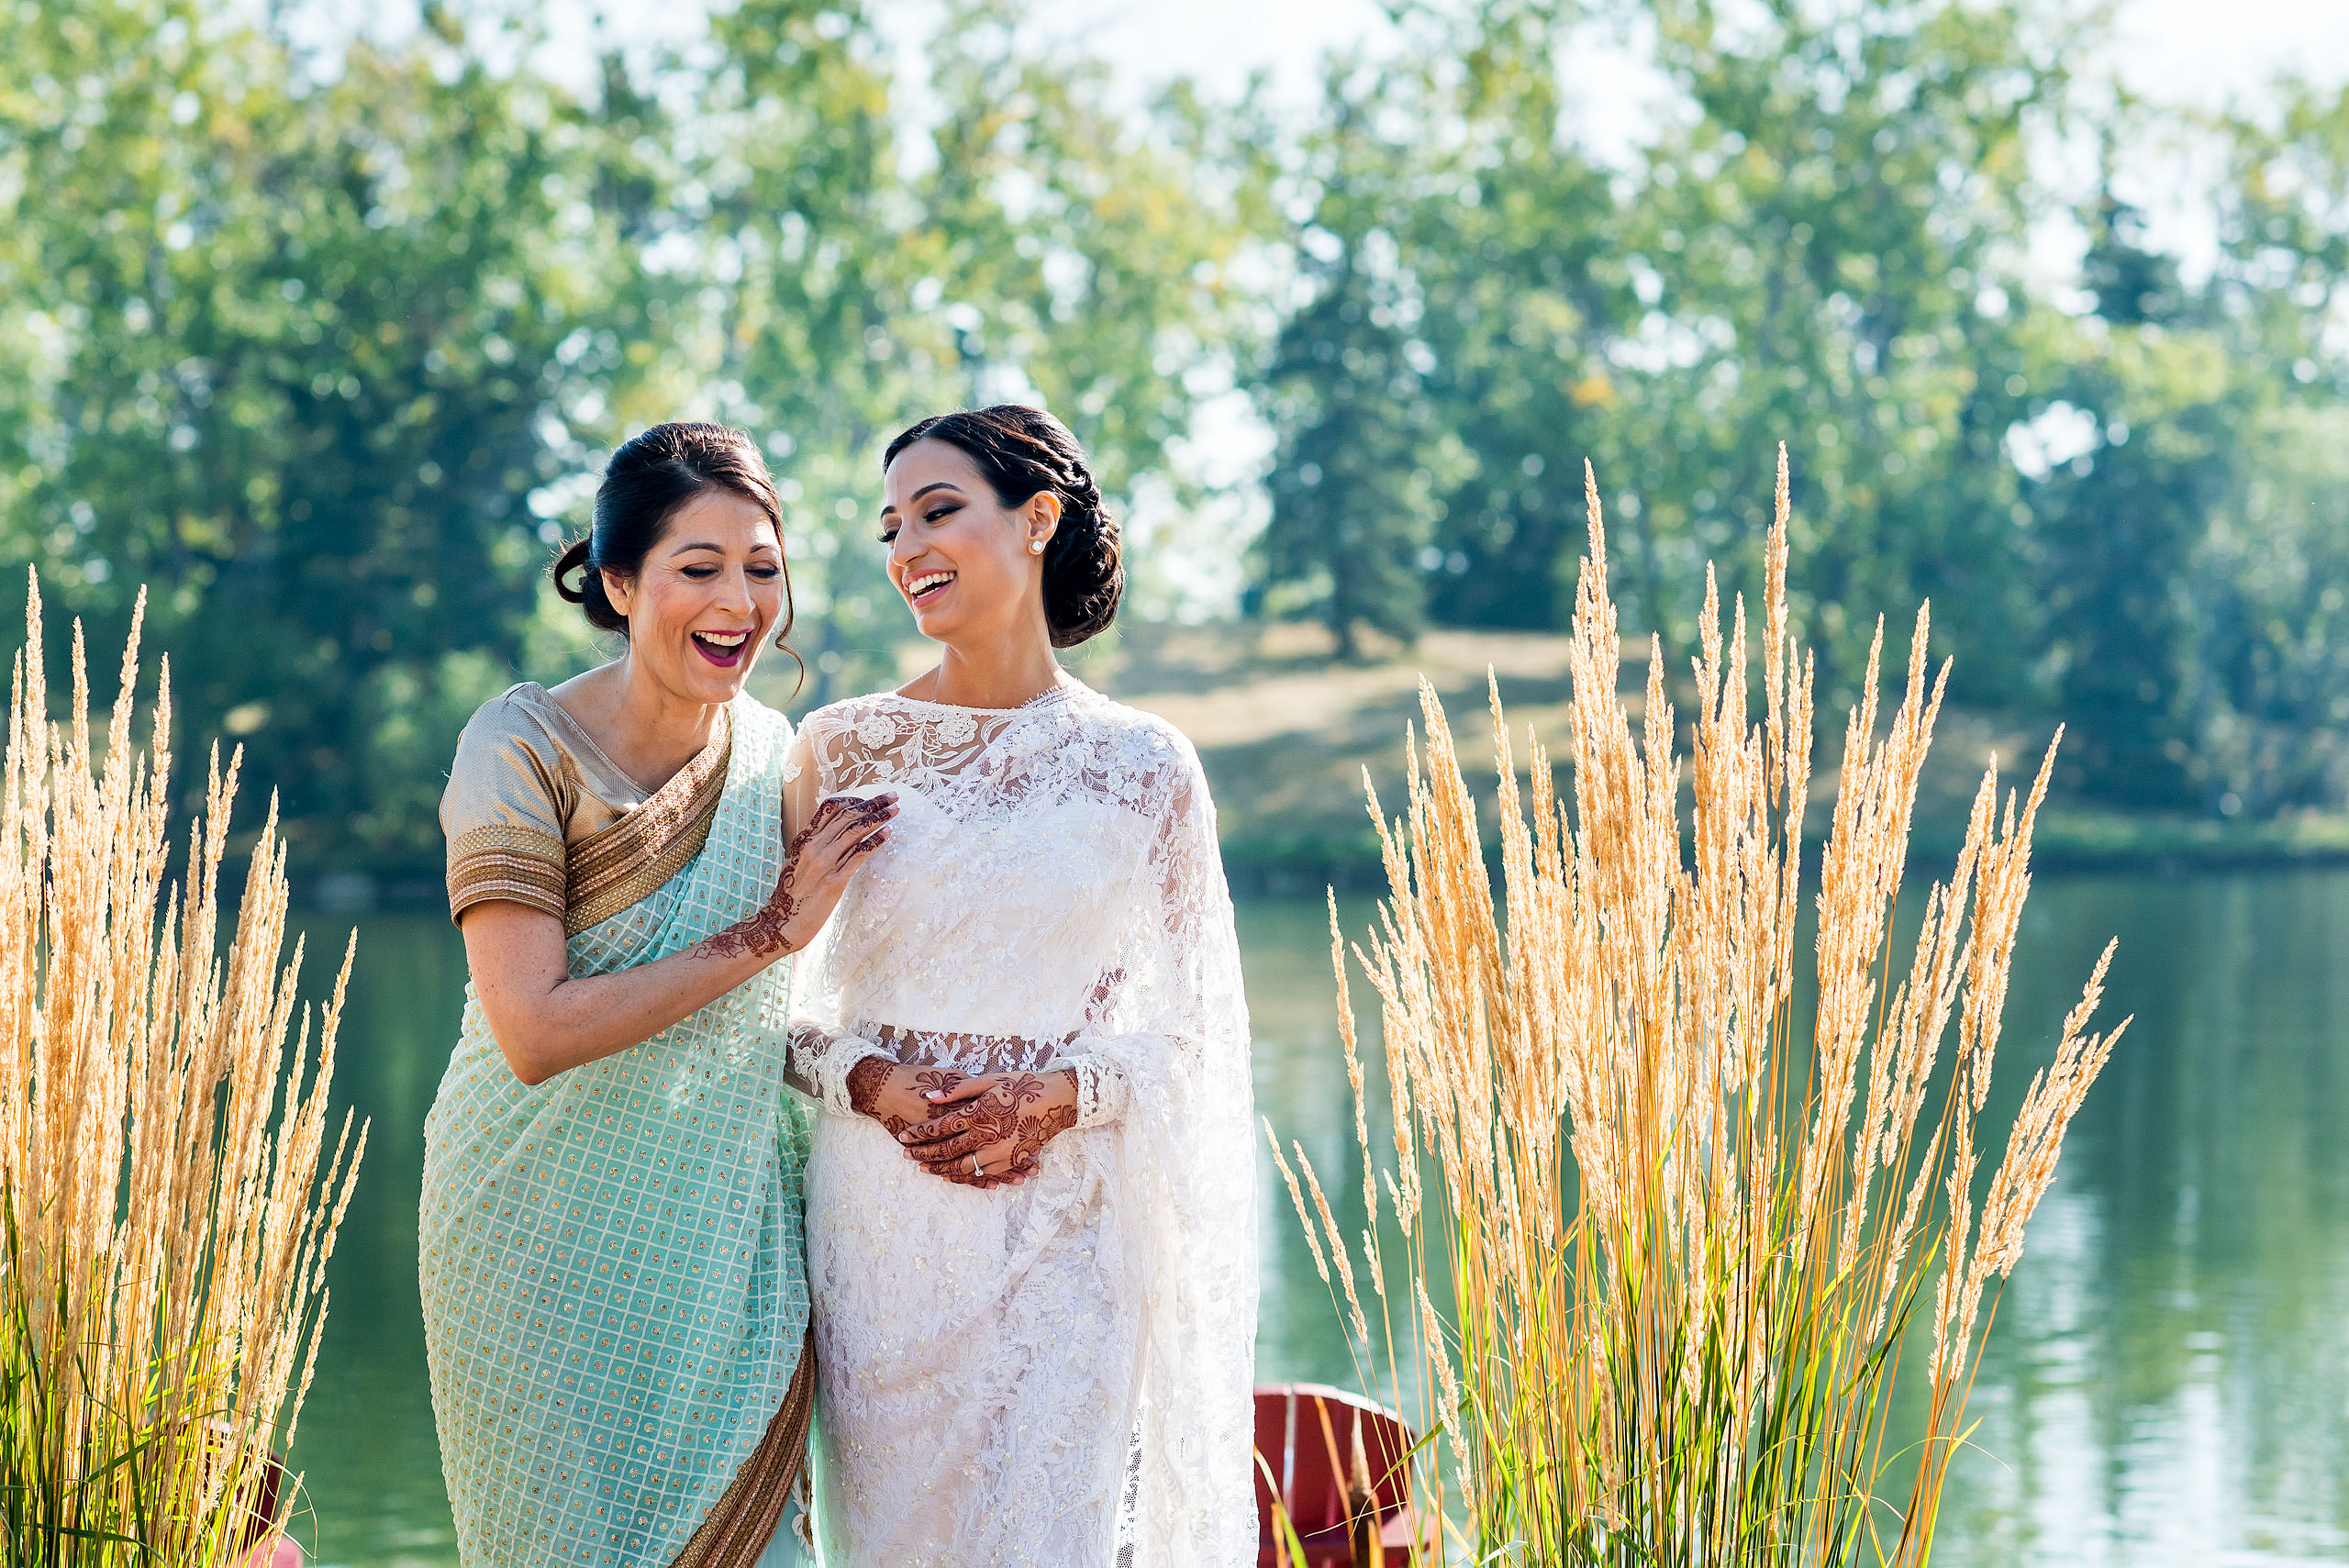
x=628, y=863
x=739, y=1527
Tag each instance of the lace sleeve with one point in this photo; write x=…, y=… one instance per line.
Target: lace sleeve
x=816, y=1061
x=818, y=1053
x=1100, y=1086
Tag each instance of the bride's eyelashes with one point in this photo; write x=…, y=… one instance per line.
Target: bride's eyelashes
x=936, y=514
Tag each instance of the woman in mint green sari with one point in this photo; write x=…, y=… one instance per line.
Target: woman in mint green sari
x=614, y=1277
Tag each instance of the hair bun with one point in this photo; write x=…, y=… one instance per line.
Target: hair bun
x=1085, y=572
x=578, y=556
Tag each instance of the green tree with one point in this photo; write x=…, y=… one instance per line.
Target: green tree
x=1049, y=248
x=328, y=358
x=1356, y=477
x=1507, y=235
x=1822, y=244
x=311, y=348
x=2120, y=529
x=1830, y=244
x=2194, y=556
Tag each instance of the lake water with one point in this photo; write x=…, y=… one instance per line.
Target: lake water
x=2167, y=1383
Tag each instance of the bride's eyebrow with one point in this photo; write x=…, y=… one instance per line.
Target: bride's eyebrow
x=933, y=485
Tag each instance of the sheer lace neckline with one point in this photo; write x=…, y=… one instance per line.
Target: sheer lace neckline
x=1067, y=689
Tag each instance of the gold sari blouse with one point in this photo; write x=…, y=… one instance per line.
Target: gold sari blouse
x=536, y=813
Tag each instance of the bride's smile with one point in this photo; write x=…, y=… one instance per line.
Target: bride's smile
x=923, y=592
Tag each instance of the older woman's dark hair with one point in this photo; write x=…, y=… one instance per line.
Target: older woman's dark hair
x=646, y=481
x=1022, y=452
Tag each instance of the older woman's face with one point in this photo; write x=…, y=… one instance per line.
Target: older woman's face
x=964, y=562
x=706, y=598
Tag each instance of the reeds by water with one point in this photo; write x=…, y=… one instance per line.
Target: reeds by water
x=1678, y=1250
x=167, y=1199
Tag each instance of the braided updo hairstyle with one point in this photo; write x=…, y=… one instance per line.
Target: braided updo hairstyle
x=646, y=481
x=1022, y=452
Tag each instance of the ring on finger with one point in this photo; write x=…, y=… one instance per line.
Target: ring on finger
x=974, y=1166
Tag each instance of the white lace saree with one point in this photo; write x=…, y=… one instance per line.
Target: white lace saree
x=1055, y=1374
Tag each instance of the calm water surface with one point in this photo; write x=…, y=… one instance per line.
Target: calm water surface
x=2166, y=1387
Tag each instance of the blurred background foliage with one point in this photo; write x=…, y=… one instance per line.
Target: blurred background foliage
x=326, y=352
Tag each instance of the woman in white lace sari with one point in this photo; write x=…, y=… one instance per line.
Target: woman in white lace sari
x=1031, y=1216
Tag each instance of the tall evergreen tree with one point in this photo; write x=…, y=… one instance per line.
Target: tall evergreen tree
x=1362, y=462
x=1352, y=489
x=2194, y=557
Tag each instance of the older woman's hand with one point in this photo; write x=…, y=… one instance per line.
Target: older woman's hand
x=989, y=1128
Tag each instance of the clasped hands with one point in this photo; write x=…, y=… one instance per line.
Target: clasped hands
x=982, y=1129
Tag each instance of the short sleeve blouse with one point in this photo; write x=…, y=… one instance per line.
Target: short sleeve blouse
x=527, y=784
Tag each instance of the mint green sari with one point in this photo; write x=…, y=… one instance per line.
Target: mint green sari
x=614, y=1279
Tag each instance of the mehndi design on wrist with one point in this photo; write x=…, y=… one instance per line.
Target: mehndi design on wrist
x=765, y=934
x=865, y=1081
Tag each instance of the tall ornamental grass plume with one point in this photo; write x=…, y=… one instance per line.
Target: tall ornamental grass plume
x=1663, y=1258
x=165, y=1212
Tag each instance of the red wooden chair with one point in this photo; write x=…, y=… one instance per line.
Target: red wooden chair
x=260, y=1549
x=1308, y=1436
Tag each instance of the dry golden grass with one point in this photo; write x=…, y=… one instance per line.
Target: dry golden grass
x=1679, y=1249
x=167, y=1201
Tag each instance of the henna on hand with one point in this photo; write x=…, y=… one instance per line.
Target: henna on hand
x=1008, y=1118
x=975, y=1123
x=864, y=1083
x=872, y=1076
x=1038, y=1130
x=765, y=934
x=761, y=936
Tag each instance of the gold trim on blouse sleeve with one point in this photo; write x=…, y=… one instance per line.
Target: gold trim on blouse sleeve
x=628, y=863
x=514, y=863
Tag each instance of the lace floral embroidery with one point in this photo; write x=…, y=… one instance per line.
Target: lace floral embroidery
x=1051, y=896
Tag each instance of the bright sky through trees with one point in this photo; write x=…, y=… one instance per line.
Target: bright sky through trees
x=2174, y=48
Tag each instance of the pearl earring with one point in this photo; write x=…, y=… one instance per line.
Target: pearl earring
x=1035, y=547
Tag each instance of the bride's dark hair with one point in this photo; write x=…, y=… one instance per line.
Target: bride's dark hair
x=1022, y=452
x=648, y=479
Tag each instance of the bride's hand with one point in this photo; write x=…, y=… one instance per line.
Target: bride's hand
x=816, y=871
x=989, y=1128
x=897, y=1094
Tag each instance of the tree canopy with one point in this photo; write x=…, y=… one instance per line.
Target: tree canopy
x=2119, y=489
x=324, y=353
x=324, y=356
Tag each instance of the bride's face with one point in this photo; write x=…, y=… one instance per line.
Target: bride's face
x=968, y=566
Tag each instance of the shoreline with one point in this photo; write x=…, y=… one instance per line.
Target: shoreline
x=1287, y=734
x=1304, y=868
x=2068, y=843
